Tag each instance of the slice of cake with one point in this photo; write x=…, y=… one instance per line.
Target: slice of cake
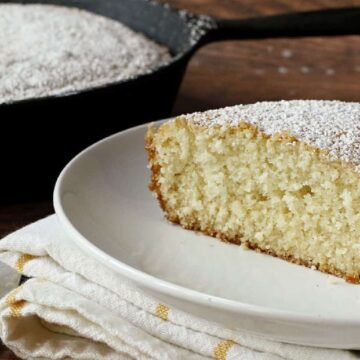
x=279, y=177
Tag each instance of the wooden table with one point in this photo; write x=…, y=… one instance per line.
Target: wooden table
x=243, y=72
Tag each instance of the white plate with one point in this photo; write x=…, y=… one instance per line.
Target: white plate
x=102, y=200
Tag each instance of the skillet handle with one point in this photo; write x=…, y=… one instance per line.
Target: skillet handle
x=328, y=22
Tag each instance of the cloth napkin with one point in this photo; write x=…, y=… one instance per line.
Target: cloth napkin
x=75, y=308
x=9, y=279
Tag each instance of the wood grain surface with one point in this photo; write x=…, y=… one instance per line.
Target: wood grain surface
x=234, y=72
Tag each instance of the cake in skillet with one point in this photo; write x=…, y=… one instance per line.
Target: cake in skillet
x=279, y=177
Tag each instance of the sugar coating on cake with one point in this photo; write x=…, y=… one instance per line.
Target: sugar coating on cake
x=51, y=50
x=333, y=126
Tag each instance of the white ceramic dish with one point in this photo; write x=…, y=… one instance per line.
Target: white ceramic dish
x=101, y=198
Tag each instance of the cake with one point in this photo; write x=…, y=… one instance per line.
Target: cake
x=49, y=50
x=281, y=178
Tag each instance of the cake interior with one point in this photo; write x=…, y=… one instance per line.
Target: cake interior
x=271, y=193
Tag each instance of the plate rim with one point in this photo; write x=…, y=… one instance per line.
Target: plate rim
x=163, y=286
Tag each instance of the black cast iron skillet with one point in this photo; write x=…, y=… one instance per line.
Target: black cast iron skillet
x=40, y=135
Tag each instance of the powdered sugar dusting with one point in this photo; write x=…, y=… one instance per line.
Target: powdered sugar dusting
x=49, y=50
x=199, y=25
x=333, y=126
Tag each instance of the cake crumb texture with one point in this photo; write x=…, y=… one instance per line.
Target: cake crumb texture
x=333, y=126
x=231, y=174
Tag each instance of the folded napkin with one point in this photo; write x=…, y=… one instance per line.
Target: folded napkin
x=9, y=279
x=75, y=308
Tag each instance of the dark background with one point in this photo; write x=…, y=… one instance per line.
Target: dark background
x=234, y=72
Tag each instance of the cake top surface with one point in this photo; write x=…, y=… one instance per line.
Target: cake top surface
x=50, y=50
x=333, y=126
